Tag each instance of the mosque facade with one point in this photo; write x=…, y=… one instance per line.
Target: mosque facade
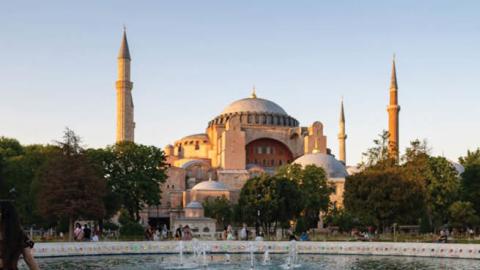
x=250, y=136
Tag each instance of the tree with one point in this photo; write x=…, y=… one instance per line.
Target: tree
x=100, y=159
x=470, y=185
x=136, y=172
x=342, y=218
x=442, y=189
x=377, y=156
x=472, y=158
x=438, y=178
x=462, y=214
x=69, y=187
x=220, y=209
x=275, y=197
x=314, y=188
x=21, y=175
x=10, y=147
x=3, y=185
x=418, y=149
x=383, y=197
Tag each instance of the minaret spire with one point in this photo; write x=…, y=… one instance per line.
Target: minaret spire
x=124, y=51
x=125, y=123
x=393, y=110
x=342, y=136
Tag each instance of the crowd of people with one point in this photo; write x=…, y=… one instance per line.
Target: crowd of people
x=85, y=233
x=185, y=233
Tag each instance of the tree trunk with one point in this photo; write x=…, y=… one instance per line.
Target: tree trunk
x=70, y=229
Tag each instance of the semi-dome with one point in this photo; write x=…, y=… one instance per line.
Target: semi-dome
x=256, y=105
x=194, y=205
x=210, y=185
x=333, y=167
x=199, y=136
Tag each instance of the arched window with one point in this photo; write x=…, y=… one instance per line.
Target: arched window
x=206, y=230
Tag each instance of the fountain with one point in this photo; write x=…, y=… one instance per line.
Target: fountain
x=204, y=256
x=266, y=258
x=292, y=259
x=180, y=247
x=251, y=248
x=182, y=262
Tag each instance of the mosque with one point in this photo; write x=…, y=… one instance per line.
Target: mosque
x=250, y=136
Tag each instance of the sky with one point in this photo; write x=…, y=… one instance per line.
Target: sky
x=190, y=59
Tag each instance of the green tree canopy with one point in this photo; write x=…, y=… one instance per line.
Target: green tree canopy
x=383, y=197
x=275, y=197
x=21, y=174
x=462, y=214
x=10, y=147
x=135, y=172
x=472, y=158
x=470, y=185
x=377, y=156
x=100, y=159
x=314, y=188
x=443, y=188
x=220, y=209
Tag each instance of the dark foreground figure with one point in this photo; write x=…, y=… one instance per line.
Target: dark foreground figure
x=13, y=240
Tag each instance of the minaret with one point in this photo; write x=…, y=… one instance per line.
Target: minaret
x=125, y=124
x=393, y=110
x=342, y=136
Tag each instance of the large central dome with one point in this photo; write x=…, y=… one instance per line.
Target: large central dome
x=255, y=105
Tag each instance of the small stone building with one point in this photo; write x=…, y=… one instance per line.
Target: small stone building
x=194, y=217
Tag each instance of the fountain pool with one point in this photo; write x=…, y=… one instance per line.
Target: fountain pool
x=243, y=261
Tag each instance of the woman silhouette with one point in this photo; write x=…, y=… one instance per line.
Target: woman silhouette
x=13, y=240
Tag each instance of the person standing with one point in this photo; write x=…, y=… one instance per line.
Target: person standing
x=13, y=240
x=149, y=233
x=78, y=232
x=243, y=233
x=164, y=232
x=187, y=233
x=87, y=233
x=230, y=235
x=178, y=233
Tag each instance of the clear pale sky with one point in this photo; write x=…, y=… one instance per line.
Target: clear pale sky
x=190, y=59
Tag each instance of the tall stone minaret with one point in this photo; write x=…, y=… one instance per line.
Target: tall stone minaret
x=125, y=123
x=342, y=136
x=393, y=110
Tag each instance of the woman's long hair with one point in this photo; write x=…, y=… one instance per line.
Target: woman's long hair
x=12, y=235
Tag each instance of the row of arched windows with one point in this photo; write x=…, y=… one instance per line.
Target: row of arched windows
x=258, y=119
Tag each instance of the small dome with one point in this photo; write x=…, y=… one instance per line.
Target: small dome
x=194, y=205
x=210, y=185
x=257, y=105
x=200, y=136
x=333, y=167
x=458, y=167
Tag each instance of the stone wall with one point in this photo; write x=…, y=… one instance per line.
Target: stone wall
x=468, y=251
